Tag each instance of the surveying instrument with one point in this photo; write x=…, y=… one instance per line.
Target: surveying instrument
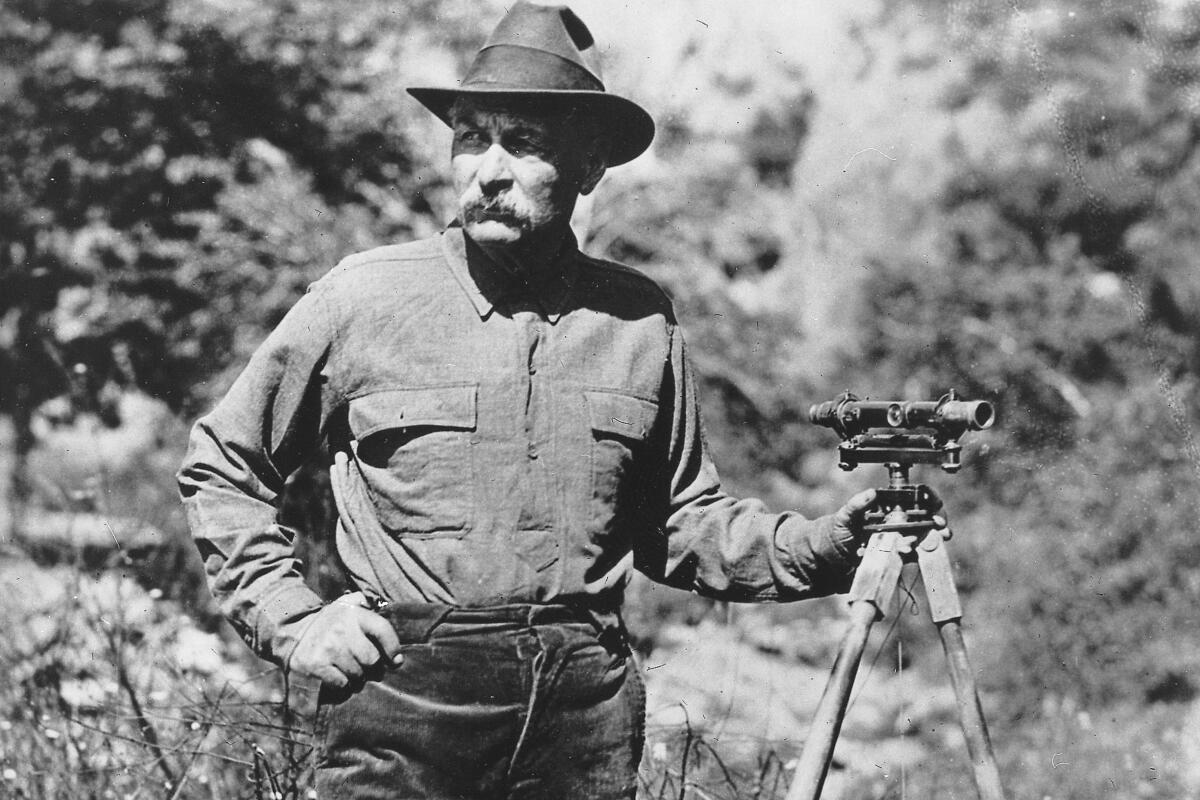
x=897, y=435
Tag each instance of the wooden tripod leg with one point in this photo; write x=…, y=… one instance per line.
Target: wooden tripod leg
x=874, y=583
x=946, y=612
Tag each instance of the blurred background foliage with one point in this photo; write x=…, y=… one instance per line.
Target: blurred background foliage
x=898, y=198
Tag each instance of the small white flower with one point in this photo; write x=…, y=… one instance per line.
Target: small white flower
x=83, y=693
x=9, y=774
x=199, y=652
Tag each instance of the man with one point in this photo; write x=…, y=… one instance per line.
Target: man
x=514, y=429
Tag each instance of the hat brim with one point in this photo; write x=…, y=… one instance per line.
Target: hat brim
x=630, y=128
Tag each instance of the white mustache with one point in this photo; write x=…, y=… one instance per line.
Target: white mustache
x=474, y=204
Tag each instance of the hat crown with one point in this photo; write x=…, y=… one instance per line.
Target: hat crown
x=538, y=46
x=545, y=54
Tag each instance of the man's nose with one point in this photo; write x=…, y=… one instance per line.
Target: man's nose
x=495, y=172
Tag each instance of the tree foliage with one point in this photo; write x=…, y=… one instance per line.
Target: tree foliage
x=146, y=153
x=173, y=175
x=1058, y=288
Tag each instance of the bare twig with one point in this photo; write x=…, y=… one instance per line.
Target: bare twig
x=687, y=749
x=147, y=729
x=720, y=763
x=188, y=751
x=191, y=762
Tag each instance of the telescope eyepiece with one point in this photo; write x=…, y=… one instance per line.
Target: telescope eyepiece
x=973, y=415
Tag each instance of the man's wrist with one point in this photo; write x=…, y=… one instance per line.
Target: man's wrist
x=841, y=544
x=283, y=618
x=811, y=546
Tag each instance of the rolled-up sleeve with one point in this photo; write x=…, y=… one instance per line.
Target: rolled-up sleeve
x=706, y=541
x=239, y=456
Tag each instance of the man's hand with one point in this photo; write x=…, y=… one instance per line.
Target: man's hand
x=848, y=521
x=342, y=641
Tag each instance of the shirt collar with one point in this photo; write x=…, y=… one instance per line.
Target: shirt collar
x=486, y=283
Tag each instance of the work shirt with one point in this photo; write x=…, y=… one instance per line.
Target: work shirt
x=493, y=440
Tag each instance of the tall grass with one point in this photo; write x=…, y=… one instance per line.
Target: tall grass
x=113, y=692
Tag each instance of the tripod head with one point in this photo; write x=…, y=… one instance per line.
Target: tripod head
x=899, y=434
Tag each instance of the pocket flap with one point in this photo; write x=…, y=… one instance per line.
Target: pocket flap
x=450, y=406
x=621, y=414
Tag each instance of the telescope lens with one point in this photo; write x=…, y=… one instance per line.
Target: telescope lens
x=895, y=415
x=984, y=415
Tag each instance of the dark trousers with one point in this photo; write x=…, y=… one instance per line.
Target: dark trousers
x=509, y=702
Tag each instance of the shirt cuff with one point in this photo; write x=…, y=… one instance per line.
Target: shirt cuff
x=839, y=548
x=818, y=559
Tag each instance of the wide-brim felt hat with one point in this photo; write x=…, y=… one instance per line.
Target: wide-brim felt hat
x=546, y=56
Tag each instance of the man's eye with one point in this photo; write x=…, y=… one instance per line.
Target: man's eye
x=522, y=146
x=470, y=136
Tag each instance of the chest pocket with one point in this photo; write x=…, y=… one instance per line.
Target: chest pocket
x=620, y=425
x=413, y=449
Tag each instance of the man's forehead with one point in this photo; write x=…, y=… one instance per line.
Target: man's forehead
x=508, y=114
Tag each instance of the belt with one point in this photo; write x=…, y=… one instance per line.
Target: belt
x=416, y=622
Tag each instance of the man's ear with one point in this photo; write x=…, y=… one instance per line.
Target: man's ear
x=593, y=171
x=595, y=163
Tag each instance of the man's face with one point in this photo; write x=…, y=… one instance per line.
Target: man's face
x=517, y=174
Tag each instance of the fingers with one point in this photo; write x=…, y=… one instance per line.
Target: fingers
x=345, y=663
x=360, y=647
x=332, y=665
x=378, y=630
x=861, y=501
x=343, y=643
x=941, y=524
x=332, y=676
x=933, y=499
x=369, y=637
x=855, y=506
x=384, y=637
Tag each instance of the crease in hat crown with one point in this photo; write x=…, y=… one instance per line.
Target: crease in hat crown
x=547, y=54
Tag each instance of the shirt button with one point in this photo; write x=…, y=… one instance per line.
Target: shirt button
x=533, y=452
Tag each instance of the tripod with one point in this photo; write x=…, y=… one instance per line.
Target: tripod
x=900, y=510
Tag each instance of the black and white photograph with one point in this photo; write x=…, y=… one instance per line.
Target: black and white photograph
x=448, y=400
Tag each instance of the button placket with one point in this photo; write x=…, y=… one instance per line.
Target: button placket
x=533, y=411
x=539, y=512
